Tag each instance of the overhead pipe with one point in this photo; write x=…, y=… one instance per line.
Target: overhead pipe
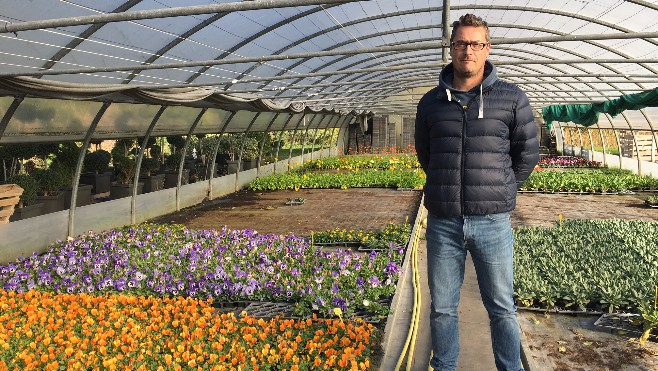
x=162, y=13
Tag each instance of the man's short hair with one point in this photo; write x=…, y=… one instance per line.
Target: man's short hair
x=470, y=20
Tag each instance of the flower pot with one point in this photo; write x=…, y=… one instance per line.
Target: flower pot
x=250, y=164
x=83, y=197
x=171, y=178
x=152, y=183
x=124, y=190
x=233, y=167
x=25, y=212
x=51, y=204
x=100, y=182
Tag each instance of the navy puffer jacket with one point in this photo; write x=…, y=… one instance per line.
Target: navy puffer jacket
x=474, y=166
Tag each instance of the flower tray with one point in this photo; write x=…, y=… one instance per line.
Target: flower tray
x=655, y=206
x=623, y=322
x=269, y=310
x=294, y=202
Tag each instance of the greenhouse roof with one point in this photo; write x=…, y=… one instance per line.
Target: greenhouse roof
x=342, y=56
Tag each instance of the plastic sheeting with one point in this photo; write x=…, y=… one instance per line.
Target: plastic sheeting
x=588, y=114
x=191, y=97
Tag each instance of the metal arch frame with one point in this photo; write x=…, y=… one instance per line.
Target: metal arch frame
x=565, y=50
x=392, y=14
x=84, y=35
x=173, y=43
x=556, y=68
x=255, y=36
x=387, y=15
x=588, y=19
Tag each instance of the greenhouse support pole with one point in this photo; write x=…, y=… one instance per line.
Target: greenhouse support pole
x=564, y=140
x=591, y=144
x=616, y=134
x=621, y=165
x=306, y=137
x=262, y=144
x=138, y=165
x=10, y=112
x=78, y=166
x=214, y=154
x=637, y=148
x=323, y=138
x=182, y=157
x=582, y=143
x=605, y=150
x=292, y=139
x=278, y=144
x=244, y=141
x=445, y=26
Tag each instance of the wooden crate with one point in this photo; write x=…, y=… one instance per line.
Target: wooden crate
x=646, y=146
x=9, y=197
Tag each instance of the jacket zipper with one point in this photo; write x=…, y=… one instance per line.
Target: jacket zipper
x=461, y=169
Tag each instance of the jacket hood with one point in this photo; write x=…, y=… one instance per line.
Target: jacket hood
x=447, y=75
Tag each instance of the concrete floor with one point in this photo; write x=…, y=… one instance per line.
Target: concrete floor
x=474, y=340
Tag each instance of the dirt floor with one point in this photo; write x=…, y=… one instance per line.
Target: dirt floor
x=558, y=342
x=267, y=212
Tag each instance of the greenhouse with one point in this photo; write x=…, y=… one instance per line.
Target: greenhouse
x=234, y=185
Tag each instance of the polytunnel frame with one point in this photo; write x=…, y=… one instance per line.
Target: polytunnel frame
x=367, y=73
x=387, y=15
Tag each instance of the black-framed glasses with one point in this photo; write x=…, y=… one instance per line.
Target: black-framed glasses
x=460, y=45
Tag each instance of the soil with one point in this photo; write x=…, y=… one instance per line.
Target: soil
x=557, y=342
x=322, y=209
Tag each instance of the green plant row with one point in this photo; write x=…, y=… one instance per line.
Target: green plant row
x=578, y=264
x=364, y=178
x=590, y=180
x=392, y=233
x=385, y=162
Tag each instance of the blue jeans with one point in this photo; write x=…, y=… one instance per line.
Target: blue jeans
x=490, y=242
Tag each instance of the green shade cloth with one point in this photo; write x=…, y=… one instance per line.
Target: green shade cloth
x=588, y=114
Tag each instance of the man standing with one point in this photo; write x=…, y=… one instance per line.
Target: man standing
x=476, y=140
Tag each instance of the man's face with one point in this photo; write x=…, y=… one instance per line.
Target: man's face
x=469, y=62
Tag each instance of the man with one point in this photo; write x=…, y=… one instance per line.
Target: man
x=477, y=143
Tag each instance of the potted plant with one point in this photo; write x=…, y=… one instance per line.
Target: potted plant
x=64, y=162
x=229, y=147
x=95, y=168
x=152, y=181
x=123, y=159
x=27, y=206
x=50, y=182
x=250, y=152
x=126, y=167
x=171, y=174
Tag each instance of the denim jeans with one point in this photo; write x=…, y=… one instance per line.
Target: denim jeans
x=490, y=242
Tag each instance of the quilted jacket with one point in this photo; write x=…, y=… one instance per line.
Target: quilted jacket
x=476, y=154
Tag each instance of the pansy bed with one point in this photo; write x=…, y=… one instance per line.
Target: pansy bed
x=149, y=262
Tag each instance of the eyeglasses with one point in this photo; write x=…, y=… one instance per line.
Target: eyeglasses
x=460, y=45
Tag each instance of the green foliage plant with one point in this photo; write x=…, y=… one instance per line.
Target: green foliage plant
x=649, y=317
x=604, y=265
x=149, y=165
x=30, y=188
x=358, y=179
x=653, y=199
x=49, y=181
x=97, y=162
